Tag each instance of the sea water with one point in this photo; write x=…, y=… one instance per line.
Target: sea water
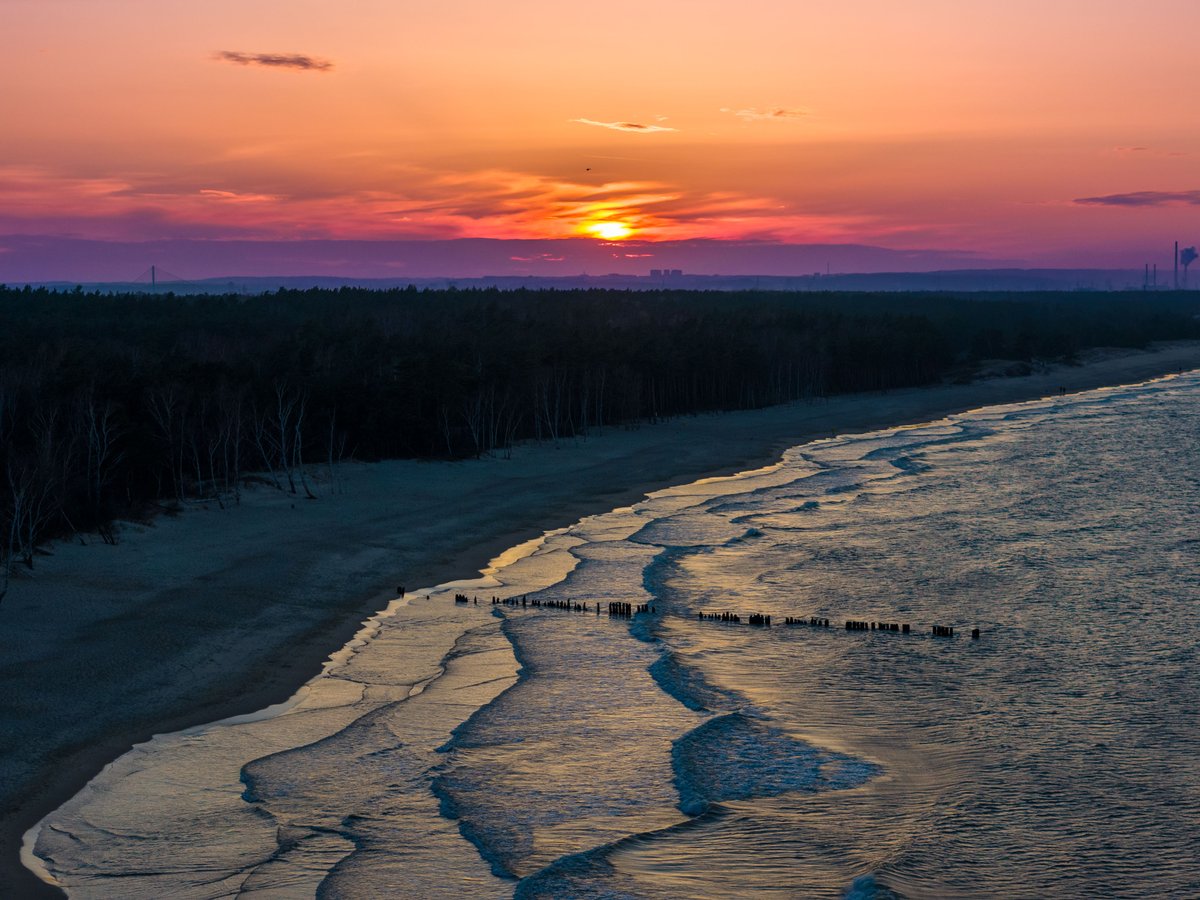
x=519, y=750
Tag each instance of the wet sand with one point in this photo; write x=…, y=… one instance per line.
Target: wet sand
x=214, y=613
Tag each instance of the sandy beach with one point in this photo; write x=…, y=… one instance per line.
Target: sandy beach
x=218, y=612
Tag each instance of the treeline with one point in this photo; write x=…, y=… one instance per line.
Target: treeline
x=112, y=403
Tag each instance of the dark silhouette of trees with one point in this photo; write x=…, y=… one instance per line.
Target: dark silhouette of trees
x=111, y=405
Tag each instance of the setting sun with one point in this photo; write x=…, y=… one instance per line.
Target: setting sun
x=609, y=231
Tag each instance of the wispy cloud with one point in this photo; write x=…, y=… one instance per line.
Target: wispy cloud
x=774, y=113
x=635, y=127
x=296, y=61
x=1155, y=152
x=1144, y=198
x=235, y=197
x=540, y=257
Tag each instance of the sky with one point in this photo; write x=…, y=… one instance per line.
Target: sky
x=1046, y=132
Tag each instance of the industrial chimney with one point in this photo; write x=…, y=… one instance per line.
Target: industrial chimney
x=1187, y=256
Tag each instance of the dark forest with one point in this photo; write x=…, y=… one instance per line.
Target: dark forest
x=116, y=405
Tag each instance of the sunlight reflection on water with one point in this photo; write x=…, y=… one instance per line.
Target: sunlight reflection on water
x=670, y=756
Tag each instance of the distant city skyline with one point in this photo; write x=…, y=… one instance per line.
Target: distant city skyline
x=1032, y=133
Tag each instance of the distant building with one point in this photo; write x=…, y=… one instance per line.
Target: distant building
x=675, y=273
x=656, y=273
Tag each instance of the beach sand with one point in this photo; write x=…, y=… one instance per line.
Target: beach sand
x=213, y=613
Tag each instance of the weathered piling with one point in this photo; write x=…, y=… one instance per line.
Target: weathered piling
x=855, y=625
x=620, y=609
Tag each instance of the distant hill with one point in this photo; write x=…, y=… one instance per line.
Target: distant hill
x=974, y=280
x=38, y=259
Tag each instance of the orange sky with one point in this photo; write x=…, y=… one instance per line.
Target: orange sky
x=929, y=124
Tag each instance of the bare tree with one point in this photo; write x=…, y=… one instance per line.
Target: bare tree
x=285, y=429
x=260, y=425
x=13, y=509
x=197, y=435
x=300, y=406
x=168, y=412
x=510, y=422
x=548, y=393
x=444, y=427
x=230, y=405
x=101, y=431
x=46, y=475
x=337, y=450
x=30, y=504
x=601, y=382
x=475, y=414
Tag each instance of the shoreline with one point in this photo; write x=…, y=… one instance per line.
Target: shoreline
x=465, y=514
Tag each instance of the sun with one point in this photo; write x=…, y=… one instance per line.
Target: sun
x=608, y=230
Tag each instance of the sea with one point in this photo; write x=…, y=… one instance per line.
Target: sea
x=551, y=746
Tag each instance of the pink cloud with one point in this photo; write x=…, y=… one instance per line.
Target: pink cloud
x=773, y=113
x=635, y=127
x=494, y=203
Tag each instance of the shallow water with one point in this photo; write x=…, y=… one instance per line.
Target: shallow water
x=669, y=756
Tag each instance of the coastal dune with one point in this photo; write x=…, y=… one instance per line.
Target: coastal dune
x=219, y=612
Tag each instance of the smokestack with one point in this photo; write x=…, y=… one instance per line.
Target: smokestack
x=1177, y=265
x=1156, y=276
